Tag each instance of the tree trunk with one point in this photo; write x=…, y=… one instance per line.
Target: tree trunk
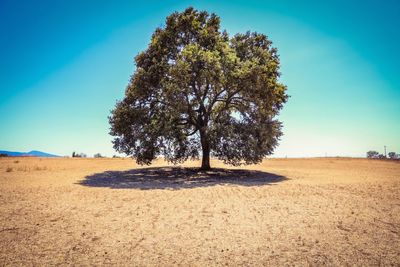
x=205, y=162
x=205, y=147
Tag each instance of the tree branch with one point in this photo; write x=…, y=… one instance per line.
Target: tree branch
x=227, y=102
x=193, y=132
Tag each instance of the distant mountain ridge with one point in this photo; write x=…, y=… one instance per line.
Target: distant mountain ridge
x=33, y=153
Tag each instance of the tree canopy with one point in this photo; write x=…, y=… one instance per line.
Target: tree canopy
x=195, y=89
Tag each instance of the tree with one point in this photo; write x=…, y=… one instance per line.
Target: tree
x=372, y=154
x=195, y=88
x=78, y=155
x=97, y=155
x=392, y=155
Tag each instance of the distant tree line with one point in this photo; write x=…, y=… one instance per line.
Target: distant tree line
x=78, y=155
x=83, y=155
x=375, y=155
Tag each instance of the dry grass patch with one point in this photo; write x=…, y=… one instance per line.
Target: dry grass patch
x=280, y=212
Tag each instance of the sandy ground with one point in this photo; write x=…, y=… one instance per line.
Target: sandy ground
x=286, y=211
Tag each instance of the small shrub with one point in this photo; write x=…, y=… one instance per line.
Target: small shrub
x=38, y=168
x=393, y=155
x=9, y=169
x=16, y=161
x=372, y=154
x=23, y=169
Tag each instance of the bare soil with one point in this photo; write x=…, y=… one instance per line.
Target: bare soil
x=323, y=211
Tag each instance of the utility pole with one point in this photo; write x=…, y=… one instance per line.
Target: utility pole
x=385, y=150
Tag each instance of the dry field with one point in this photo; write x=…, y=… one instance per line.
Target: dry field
x=329, y=211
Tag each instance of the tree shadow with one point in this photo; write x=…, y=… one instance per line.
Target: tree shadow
x=178, y=178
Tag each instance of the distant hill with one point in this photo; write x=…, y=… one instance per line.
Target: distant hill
x=33, y=153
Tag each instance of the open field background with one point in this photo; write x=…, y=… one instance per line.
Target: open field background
x=333, y=211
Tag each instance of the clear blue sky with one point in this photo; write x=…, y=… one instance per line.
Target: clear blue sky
x=65, y=63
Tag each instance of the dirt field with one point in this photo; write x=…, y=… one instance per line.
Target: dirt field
x=286, y=211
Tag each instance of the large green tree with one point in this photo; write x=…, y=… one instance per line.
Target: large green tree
x=196, y=89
